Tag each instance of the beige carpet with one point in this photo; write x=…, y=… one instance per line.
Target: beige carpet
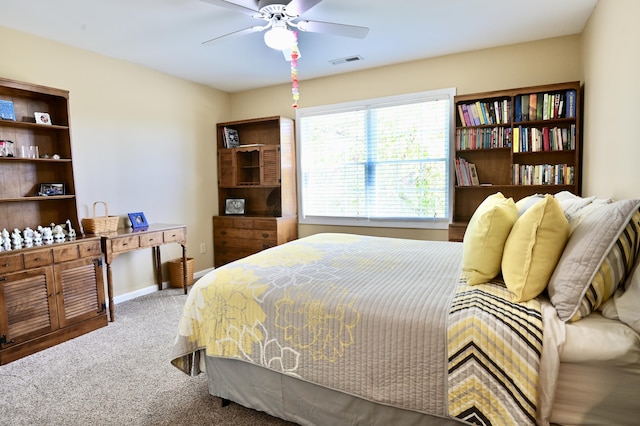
x=117, y=375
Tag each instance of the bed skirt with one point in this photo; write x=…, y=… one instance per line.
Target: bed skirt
x=303, y=402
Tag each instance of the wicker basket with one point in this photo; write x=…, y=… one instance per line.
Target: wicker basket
x=175, y=272
x=100, y=224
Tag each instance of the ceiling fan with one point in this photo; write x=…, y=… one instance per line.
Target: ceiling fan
x=282, y=17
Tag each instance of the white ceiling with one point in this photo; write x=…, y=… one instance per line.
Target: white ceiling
x=167, y=35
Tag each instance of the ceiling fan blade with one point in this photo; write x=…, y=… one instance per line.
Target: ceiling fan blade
x=234, y=6
x=334, y=29
x=236, y=33
x=298, y=7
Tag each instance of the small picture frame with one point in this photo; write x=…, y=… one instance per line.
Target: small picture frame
x=138, y=220
x=51, y=189
x=6, y=110
x=234, y=206
x=42, y=118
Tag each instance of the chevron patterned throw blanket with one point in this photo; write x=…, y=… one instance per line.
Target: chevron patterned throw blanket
x=494, y=348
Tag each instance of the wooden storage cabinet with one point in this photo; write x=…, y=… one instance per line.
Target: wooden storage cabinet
x=500, y=156
x=262, y=172
x=44, y=302
x=51, y=293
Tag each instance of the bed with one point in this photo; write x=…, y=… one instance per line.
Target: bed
x=346, y=329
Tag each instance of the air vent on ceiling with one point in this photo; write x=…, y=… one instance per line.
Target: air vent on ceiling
x=348, y=59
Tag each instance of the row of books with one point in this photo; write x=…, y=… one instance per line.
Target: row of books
x=230, y=137
x=544, y=106
x=466, y=173
x=533, y=139
x=543, y=174
x=480, y=113
x=483, y=138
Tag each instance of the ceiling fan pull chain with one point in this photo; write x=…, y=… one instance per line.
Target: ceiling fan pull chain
x=294, y=70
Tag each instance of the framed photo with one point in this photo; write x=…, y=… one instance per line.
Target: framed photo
x=138, y=220
x=6, y=110
x=234, y=206
x=42, y=117
x=51, y=189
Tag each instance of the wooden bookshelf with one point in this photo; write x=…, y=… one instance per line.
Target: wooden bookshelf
x=522, y=141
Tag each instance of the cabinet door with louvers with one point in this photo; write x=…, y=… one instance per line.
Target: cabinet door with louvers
x=79, y=285
x=270, y=167
x=27, y=305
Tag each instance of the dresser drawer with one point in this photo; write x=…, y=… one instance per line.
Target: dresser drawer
x=247, y=234
x=35, y=259
x=125, y=244
x=11, y=263
x=152, y=239
x=90, y=249
x=65, y=253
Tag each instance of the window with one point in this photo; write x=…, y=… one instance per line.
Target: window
x=380, y=162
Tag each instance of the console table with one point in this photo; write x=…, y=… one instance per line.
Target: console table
x=128, y=239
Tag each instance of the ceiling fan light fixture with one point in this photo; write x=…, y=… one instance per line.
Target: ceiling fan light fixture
x=279, y=37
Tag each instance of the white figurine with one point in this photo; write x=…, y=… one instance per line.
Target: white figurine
x=47, y=236
x=16, y=239
x=58, y=234
x=37, y=238
x=71, y=233
x=27, y=236
x=5, y=240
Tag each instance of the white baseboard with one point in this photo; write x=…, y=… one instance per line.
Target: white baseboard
x=152, y=288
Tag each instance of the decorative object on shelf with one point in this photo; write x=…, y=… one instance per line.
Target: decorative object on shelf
x=42, y=118
x=71, y=233
x=27, y=235
x=138, y=221
x=234, y=206
x=295, y=54
x=5, y=240
x=100, y=224
x=29, y=151
x=6, y=110
x=58, y=234
x=16, y=239
x=231, y=138
x=6, y=148
x=37, y=238
x=51, y=189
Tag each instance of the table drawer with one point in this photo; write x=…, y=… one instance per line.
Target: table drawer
x=125, y=244
x=35, y=259
x=172, y=235
x=152, y=239
x=11, y=263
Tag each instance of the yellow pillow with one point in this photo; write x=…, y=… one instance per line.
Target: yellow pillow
x=533, y=248
x=485, y=236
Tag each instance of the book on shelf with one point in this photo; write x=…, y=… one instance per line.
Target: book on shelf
x=517, y=109
x=231, y=138
x=570, y=104
x=466, y=173
x=6, y=110
x=533, y=106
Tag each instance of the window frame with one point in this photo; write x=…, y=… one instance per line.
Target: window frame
x=427, y=223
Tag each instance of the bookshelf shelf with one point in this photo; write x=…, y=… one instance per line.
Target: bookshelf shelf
x=517, y=139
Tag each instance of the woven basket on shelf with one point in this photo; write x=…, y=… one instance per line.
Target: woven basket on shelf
x=100, y=224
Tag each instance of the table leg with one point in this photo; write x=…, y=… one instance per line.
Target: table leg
x=110, y=293
x=184, y=268
x=158, y=262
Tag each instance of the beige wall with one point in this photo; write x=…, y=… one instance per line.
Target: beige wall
x=612, y=89
x=141, y=140
x=548, y=61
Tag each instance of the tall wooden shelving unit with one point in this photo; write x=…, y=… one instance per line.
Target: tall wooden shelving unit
x=491, y=146
x=49, y=293
x=261, y=172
